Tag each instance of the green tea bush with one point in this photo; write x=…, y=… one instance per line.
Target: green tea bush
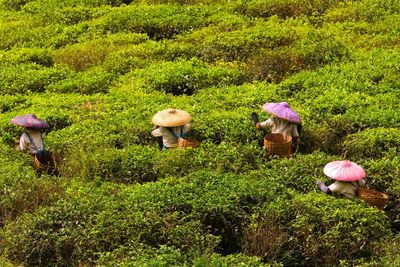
x=226, y=127
x=23, y=33
x=191, y=214
x=21, y=189
x=47, y=13
x=92, y=81
x=38, y=56
x=310, y=52
x=131, y=165
x=158, y=22
x=81, y=57
x=365, y=10
x=187, y=77
x=238, y=42
x=69, y=35
x=301, y=172
x=13, y=5
x=170, y=256
x=5, y=263
x=292, y=8
x=139, y=164
x=25, y=78
x=372, y=143
x=391, y=256
x=382, y=173
x=9, y=103
x=324, y=230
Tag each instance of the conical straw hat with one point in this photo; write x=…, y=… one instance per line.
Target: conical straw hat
x=344, y=170
x=171, y=117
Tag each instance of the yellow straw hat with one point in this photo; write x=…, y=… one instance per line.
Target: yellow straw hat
x=171, y=117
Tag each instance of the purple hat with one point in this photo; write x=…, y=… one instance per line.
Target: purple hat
x=283, y=111
x=30, y=121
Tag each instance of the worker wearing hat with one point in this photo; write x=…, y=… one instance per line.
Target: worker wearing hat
x=348, y=178
x=284, y=119
x=170, y=124
x=32, y=139
x=32, y=142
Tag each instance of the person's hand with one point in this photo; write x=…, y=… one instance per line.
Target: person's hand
x=319, y=182
x=258, y=125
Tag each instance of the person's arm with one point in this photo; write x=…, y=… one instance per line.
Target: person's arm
x=156, y=132
x=265, y=124
x=186, y=128
x=323, y=187
x=23, y=143
x=295, y=133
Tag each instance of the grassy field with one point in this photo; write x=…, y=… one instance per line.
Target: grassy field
x=98, y=70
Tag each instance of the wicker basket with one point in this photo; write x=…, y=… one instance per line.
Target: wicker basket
x=278, y=144
x=49, y=166
x=187, y=142
x=372, y=197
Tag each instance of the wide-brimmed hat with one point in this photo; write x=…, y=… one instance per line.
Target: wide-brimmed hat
x=171, y=117
x=282, y=110
x=344, y=170
x=30, y=121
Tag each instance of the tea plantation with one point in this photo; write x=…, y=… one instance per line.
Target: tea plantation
x=98, y=70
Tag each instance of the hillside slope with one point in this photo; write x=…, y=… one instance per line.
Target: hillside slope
x=98, y=70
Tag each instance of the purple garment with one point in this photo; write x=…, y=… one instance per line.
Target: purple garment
x=30, y=121
x=323, y=187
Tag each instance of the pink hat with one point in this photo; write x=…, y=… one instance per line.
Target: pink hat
x=344, y=170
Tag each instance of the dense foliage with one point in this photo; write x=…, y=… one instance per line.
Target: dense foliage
x=97, y=71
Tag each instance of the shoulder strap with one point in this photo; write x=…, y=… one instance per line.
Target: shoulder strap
x=172, y=132
x=182, y=135
x=183, y=131
x=33, y=143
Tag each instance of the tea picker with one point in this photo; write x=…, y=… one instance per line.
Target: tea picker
x=173, y=125
x=349, y=182
x=32, y=140
x=284, y=123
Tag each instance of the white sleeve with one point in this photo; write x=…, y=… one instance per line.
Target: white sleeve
x=156, y=132
x=22, y=142
x=295, y=133
x=186, y=128
x=335, y=187
x=267, y=123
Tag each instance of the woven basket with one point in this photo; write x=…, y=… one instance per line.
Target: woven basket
x=49, y=166
x=278, y=144
x=372, y=197
x=187, y=142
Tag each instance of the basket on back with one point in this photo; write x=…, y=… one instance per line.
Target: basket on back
x=187, y=142
x=46, y=164
x=372, y=197
x=278, y=144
